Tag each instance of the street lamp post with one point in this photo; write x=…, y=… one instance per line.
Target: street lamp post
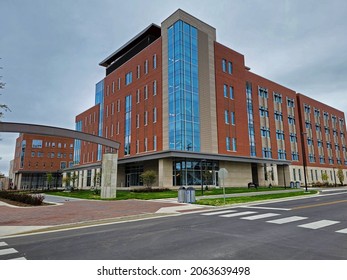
x=201, y=177
x=304, y=157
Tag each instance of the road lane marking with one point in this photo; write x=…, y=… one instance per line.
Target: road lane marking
x=237, y=214
x=2, y=244
x=17, y=259
x=266, y=208
x=7, y=251
x=319, y=204
x=287, y=220
x=319, y=224
x=342, y=230
x=260, y=216
x=218, y=213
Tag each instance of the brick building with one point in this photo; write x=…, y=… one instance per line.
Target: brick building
x=39, y=155
x=184, y=105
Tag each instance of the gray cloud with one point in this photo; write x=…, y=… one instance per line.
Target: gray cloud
x=50, y=50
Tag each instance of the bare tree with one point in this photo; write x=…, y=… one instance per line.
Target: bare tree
x=3, y=107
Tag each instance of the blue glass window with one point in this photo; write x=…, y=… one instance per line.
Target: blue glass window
x=225, y=90
x=129, y=78
x=226, y=116
x=224, y=65
x=231, y=92
x=183, y=87
x=232, y=118
x=230, y=67
x=127, y=137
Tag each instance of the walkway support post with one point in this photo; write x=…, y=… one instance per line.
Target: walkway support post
x=109, y=176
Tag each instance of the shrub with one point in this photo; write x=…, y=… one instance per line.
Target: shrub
x=36, y=199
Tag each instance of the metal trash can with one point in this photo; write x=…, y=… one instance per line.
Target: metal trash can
x=182, y=197
x=190, y=195
x=292, y=184
x=297, y=184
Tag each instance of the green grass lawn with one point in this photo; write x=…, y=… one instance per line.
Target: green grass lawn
x=244, y=199
x=123, y=195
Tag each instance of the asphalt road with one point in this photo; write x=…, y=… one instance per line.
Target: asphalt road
x=309, y=228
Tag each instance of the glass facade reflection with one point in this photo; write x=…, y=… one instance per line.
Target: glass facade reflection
x=184, y=116
x=190, y=172
x=127, y=139
x=99, y=99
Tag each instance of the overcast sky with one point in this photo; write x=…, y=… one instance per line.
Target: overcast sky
x=50, y=50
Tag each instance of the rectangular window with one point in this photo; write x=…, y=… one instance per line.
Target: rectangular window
x=128, y=78
x=118, y=105
x=290, y=103
x=225, y=90
x=230, y=67
x=263, y=92
x=227, y=141
x=278, y=98
x=232, y=118
x=293, y=138
x=138, y=96
x=112, y=109
x=233, y=142
x=154, y=114
x=154, y=142
x=137, y=146
x=264, y=112
x=295, y=156
x=146, y=144
x=307, y=109
x=226, y=116
x=119, y=81
x=154, y=61
x=267, y=153
x=279, y=135
x=137, y=120
x=145, y=119
x=291, y=120
x=36, y=144
x=265, y=132
x=138, y=71
x=282, y=154
x=224, y=65
x=231, y=92
x=145, y=92
x=146, y=66
x=155, y=87
x=112, y=87
x=278, y=116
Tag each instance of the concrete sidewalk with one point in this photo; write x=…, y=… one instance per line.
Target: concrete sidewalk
x=76, y=212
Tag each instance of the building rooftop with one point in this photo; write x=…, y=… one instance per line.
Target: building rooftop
x=131, y=48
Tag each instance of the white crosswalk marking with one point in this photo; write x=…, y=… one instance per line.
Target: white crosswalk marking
x=218, y=213
x=237, y=214
x=260, y=216
x=342, y=230
x=2, y=244
x=319, y=224
x=20, y=258
x=287, y=220
x=7, y=251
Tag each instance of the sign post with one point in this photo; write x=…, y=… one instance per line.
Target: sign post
x=222, y=174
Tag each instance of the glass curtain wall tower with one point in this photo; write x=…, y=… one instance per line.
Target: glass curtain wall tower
x=184, y=116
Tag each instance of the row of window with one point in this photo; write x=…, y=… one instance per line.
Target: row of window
x=50, y=155
x=228, y=91
x=110, y=109
x=37, y=144
x=232, y=117
x=63, y=164
x=230, y=144
x=128, y=79
x=227, y=66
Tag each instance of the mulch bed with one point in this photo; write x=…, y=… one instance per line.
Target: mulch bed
x=21, y=204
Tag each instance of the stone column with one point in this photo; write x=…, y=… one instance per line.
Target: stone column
x=109, y=176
